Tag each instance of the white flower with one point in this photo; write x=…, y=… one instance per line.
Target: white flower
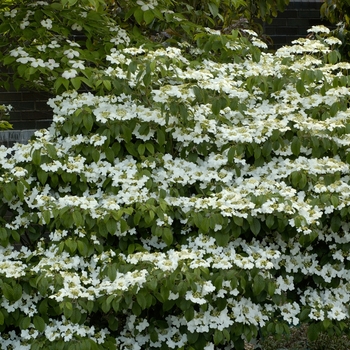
x=77, y=27
x=319, y=29
x=195, y=297
x=259, y=43
x=70, y=53
x=54, y=45
x=333, y=41
x=51, y=64
x=212, y=31
x=11, y=14
x=147, y=6
x=24, y=24
x=77, y=64
x=24, y=60
x=68, y=74
x=37, y=63
x=47, y=23
x=250, y=32
x=337, y=313
x=19, y=51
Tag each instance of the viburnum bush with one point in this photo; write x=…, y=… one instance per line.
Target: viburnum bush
x=59, y=45
x=201, y=195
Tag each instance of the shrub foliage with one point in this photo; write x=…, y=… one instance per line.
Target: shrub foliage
x=196, y=195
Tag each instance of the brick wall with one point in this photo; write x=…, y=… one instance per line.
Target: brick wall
x=30, y=109
x=294, y=22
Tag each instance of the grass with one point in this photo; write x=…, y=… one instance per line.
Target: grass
x=297, y=340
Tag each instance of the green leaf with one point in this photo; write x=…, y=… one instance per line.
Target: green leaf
x=218, y=337
x=295, y=146
x=216, y=106
x=88, y=122
x=24, y=323
x=20, y=190
x=111, y=226
x=300, y=86
x=258, y=284
x=222, y=238
x=3, y=233
x=95, y=155
x=327, y=323
x=270, y=221
x=189, y=314
x=302, y=181
x=214, y=10
x=138, y=14
x=271, y=287
x=76, y=82
x=127, y=133
x=7, y=291
x=255, y=226
x=51, y=151
x=78, y=218
x=2, y=318
x=7, y=191
x=267, y=148
x=313, y=331
x=150, y=148
x=110, y=154
x=231, y=154
x=39, y=323
x=141, y=300
x=42, y=176
x=71, y=245
x=167, y=236
x=82, y=248
x=17, y=292
x=148, y=16
x=141, y=149
x=46, y=214
x=161, y=137
x=36, y=157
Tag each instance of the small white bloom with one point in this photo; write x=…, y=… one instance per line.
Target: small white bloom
x=24, y=60
x=77, y=27
x=77, y=64
x=38, y=63
x=259, y=43
x=47, y=23
x=318, y=29
x=24, y=24
x=68, y=74
x=333, y=41
x=147, y=6
x=71, y=53
x=51, y=64
x=53, y=45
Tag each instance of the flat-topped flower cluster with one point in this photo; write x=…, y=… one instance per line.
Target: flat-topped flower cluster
x=199, y=201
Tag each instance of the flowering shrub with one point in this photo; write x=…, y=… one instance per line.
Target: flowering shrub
x=60, y=45
x=199, y=195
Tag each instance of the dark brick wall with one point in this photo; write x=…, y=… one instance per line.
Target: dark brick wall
x=30, y=109
x=294, y=22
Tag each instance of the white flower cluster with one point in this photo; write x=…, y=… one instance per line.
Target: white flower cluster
x=229, y=180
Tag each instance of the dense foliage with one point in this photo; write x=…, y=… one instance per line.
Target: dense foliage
x=198, y=193
x=56, y=45
x=337, y=12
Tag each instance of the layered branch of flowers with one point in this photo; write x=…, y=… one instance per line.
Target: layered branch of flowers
x=201, y=195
